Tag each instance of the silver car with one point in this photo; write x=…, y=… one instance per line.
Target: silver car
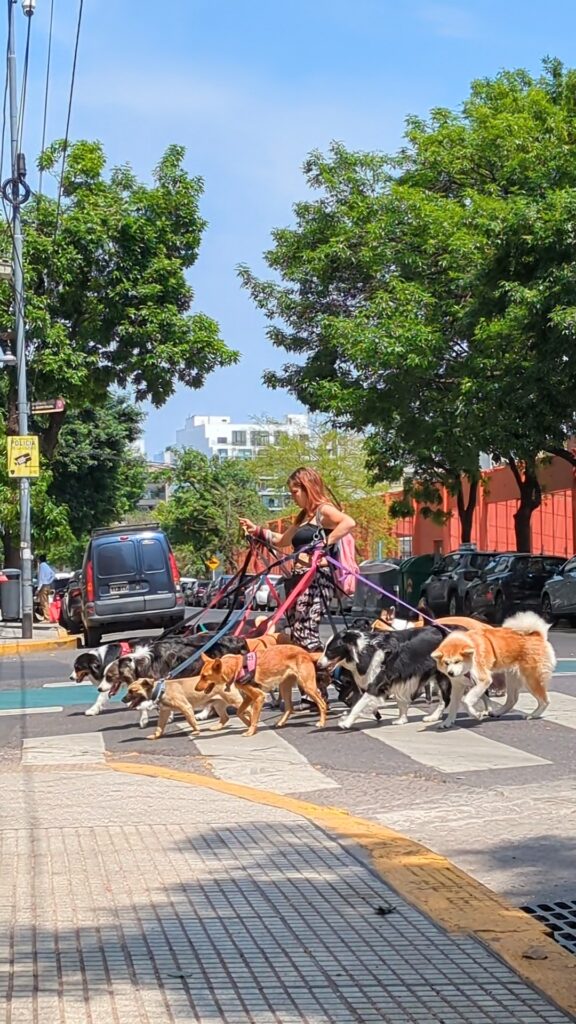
x=559, y=594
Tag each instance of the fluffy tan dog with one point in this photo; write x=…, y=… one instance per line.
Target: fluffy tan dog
x=281, y=667
x=520, y=648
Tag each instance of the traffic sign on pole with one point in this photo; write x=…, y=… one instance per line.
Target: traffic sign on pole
x=212, y=563
x=23, y=456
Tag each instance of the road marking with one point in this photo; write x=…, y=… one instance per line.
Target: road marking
x=40, y=697
x=565, y=666
x=30, y=711
x=265, y=761
x=453, y=751
x=68, y=686
x=73, y=748
x=561, y=710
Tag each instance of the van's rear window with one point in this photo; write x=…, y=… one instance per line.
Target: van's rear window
x=152, y=556
x=117, y=558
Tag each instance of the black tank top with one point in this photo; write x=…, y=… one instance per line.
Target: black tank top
x=306, y=534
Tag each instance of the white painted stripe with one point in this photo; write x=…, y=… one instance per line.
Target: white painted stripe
x=455, y=750
x=73, y=748
x=67, y=683
x=31, y=711
x=561, y=710
x=265, y=760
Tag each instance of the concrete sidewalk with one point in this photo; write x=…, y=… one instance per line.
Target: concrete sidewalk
x=132, y=898
x=46, y=636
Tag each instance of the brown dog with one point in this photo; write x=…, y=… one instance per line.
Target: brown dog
x=281, y=667
x=520, y=648
x=182, y=695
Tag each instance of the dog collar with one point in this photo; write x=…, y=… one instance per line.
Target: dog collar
x=158, y=691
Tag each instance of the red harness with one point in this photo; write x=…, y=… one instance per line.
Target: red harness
x=247, y=669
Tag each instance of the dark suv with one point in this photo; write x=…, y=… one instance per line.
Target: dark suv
x=511, y=583
x=130, y=581
x=444, y=588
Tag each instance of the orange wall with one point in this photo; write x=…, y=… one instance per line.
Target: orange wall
x=553, y=524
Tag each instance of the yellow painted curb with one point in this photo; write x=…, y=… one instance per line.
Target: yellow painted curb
x=36, y=646
x=427, y=880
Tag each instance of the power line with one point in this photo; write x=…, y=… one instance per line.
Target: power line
x=46, y=92
x=70, y=98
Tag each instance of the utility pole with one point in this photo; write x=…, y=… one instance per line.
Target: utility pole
x=16, y=192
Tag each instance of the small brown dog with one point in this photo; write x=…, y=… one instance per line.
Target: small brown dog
x=182, y=695
x=281, y=667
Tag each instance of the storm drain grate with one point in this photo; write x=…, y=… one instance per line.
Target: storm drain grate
x=560, y=918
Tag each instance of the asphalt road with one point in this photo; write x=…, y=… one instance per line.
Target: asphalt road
x=496, y=796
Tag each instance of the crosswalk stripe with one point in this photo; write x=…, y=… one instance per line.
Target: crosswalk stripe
x=456, y=750
x=561, y=710
x=265, y=760
x=70, y=748
x=30, y=711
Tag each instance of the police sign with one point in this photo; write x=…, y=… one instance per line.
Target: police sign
x=23, y=456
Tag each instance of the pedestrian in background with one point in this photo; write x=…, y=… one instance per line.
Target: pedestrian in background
x=46, y=577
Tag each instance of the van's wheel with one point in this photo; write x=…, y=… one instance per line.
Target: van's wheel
x=547, y=613
x=92, y=636
x=453, y=605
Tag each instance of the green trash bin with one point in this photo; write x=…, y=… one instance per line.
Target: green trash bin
x=385, y=574
x=413, y=571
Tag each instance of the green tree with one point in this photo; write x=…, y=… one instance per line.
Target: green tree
x=96, y=472
x=207, y=495
x=340, y=458
x=429, y=296
x=107, y=299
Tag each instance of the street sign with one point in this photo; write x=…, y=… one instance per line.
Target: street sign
x=23, y=456
x=48, y=406
x=212, y=563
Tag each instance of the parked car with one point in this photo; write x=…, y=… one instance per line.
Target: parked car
x=558, y=599
x=187, y=583
x=71, y=608
x=214, y=595
x=444, y=589
x=264, y=599
x=130, y=581
x=511, y=583
x=198, y=592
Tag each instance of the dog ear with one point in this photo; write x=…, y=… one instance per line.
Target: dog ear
x=205, y=658
x=468, y=652
x=437, y=654
x=217, y=664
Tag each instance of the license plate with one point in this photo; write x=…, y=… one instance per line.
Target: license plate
x=119, y=588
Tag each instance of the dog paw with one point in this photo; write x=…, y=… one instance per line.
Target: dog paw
x=445, y=725
x=215, y=728
x=433, y=717
x=92, y=711
x=143, y=722
x=400, y=721
x=153, y=736
x=344, y=723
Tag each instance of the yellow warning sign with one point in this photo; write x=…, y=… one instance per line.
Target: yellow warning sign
x=213, y=562
x=23, y=456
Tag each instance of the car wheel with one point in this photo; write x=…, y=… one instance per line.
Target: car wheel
x=547, y=613
x=499, y=610
x=453, y=604
x=92, y=636
x=74, y=627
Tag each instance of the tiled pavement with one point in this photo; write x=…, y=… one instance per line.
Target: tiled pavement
x=142, y=901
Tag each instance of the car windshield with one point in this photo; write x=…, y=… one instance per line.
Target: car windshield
x=480, y=561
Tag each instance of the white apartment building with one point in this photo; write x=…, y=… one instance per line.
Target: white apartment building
x=219, y=436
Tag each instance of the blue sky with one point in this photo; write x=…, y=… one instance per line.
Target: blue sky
x=250, y=88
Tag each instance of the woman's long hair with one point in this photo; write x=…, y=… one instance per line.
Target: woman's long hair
x=316, y=491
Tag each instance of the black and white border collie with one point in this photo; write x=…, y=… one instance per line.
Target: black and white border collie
x=388, y=664
x=89, y=667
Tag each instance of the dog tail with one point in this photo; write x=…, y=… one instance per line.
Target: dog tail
x=527, y=622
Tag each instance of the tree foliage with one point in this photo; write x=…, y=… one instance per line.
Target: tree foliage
x=430, y=296
x=340, y=458
x=207, y=495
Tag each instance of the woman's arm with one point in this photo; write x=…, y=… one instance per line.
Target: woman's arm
x=333, y=519
x=279, y=540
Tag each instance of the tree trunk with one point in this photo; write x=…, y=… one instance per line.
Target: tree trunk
x=466, y=510
x=530, y=499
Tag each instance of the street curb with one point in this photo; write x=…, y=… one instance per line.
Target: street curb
x=36, y=646
x=427, y=880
